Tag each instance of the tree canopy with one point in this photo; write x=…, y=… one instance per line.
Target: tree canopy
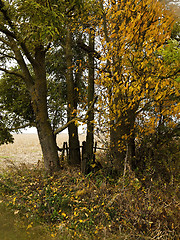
x=57, y=56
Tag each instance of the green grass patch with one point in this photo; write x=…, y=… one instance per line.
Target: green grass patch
x=14, y=226
x=4, y=157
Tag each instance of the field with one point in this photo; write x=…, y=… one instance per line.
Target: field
x=26, y=149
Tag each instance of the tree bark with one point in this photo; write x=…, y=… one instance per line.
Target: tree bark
x=74, y=150
x=90, y=124
x=122, y=140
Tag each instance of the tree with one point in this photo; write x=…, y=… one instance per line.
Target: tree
x=67, y=70
x=91, y=90
x=132, y=34
x=71, y=104
x=15, y=103
x=76, y=54
x=5, y=136
x=25, y=39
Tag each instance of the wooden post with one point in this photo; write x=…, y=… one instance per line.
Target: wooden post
x=67, y=151
x=94, y=155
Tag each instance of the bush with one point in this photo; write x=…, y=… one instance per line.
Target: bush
x=158, y=155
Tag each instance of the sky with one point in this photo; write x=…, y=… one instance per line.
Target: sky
x=81, y=129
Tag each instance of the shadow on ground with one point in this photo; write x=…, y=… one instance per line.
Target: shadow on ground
x=12, y=227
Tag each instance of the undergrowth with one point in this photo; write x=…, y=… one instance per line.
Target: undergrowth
x=95, y=206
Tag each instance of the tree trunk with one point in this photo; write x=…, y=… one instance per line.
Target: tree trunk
x=48, y=146
x=74, y=150
x=39, y=101
x=117, y=144
x=90, y=124
x=132, y=150
x=122, y=138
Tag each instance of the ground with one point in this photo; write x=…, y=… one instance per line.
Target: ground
x=70, y=205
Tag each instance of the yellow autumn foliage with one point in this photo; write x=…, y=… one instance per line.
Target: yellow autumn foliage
x=132, y=72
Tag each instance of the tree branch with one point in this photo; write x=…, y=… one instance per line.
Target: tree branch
x=12, y=72
x=65, y=126
x=13, y=35
x=3, y=9
x=19, y=58
x=77, y=119
x=22, y=44
x=7, y=32
x=23, y=126
x=88, y=49
x=27, y=53
x=7, y=56
x=4, y=41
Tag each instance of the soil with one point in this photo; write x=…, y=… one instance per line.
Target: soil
x=26, y=149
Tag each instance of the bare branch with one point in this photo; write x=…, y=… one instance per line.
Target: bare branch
x=65, y=126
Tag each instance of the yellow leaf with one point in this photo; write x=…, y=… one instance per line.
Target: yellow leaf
x=29, y=226
x=63, y=214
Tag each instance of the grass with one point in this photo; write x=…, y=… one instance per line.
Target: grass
x=70, y=205
x=14, y=226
